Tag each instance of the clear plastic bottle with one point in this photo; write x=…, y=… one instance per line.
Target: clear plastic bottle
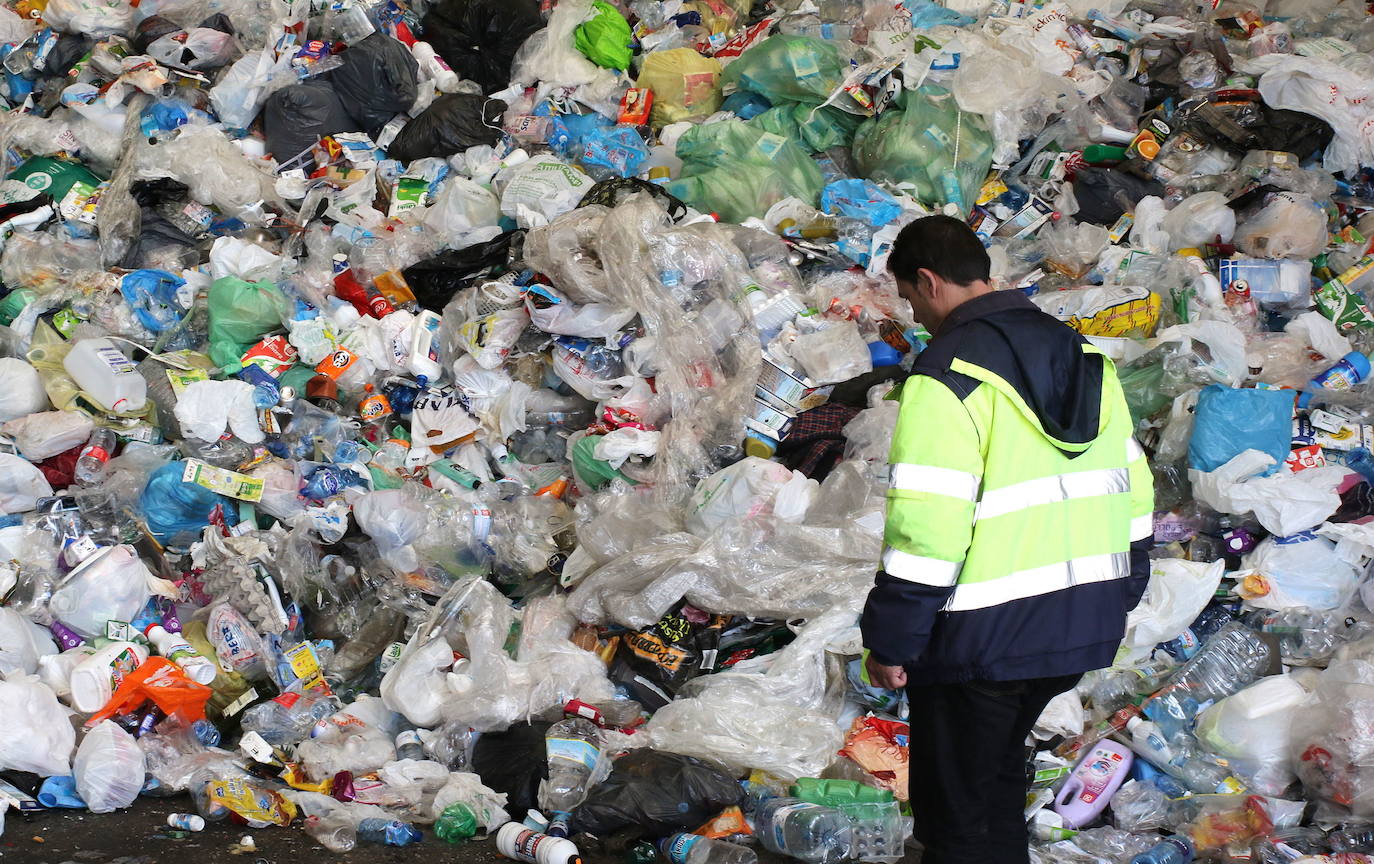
x=90, y=465
x=1114, y=690
x=1306, y=637
x=1171, y=850
x=334, y=831
x=807, y=832
x=695, y=849
x=574, y=748
x=1181, y=758
x=289, y=717
x=1232, y=658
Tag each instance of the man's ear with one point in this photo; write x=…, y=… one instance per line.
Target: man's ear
x=928, y=283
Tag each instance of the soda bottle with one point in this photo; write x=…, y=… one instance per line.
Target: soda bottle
x=695, y=849
x=808, y=832
x=90, y=465
x=348, y=288
x=574, y=748
x=388, y=832
x=1171, y=850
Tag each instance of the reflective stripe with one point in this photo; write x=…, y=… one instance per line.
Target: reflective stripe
x=938, y=481
x=1133, y=451
x=1142, y=527
x=1051, y=490
x=1041, y=580
x=916, y=568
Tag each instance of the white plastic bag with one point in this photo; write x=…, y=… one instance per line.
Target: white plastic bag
x=417, y=686
x=464, y=214
x=1284, y=503
x=241, y=93
x=1253, y=730
x=837, y=353
x=22, y=643
x=109, y=768
x=48, y=433
x=41, y=735
x=1290, y=225
x=23, y=392
x=394, y=520
x=619, y=445
x=1297, y=572
x=205, y=408
x=537, y=191
x=1340, y=96
x=746, y=488
x=1177, y=592
x=1199, y=220
x=553, y=313
x=21, y=484
x=467, y=789
x=92, y=18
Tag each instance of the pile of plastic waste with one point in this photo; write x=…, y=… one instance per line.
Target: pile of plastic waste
x=460, y=417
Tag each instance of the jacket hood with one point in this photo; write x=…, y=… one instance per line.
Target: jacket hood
x=1051, y=373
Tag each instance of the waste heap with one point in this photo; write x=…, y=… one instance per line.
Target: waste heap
x=417, y=415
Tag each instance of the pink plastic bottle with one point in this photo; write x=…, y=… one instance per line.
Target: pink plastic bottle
x=1093, y=783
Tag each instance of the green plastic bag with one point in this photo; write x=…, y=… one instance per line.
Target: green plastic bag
x=591, y=470
x=917, y=145
x=605, y=40
x=241, y=313
x=816, y=128
x=738, y=171
x=789, y=69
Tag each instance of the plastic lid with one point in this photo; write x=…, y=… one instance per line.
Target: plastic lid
x=1360, y=362
x=1134, y=722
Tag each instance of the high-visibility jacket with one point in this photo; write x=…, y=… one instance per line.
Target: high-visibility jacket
x=1019, y=509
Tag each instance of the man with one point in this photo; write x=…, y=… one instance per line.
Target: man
x=1019, y=517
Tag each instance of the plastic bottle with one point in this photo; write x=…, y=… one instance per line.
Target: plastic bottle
x=424, y=346
x=1206, y=283
x=95, y=679
x=90, y=465
x=288, y=718
x=1232, y=658
x=179, y=651
x=186, y=821
x=1112, y=691
x=1181, y=759
x=695, y=849
x=111, y=379
x=1345, y=373
x=516, y=841
x=388, y=832
x=1090, y=736
x=408, y=745
x=1093, y=783
x=808, y=832
x=334, y=831
x=1171, y=850
x=445, y=79
x=574, y=748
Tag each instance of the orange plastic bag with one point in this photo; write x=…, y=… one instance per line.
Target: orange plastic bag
x=161, y=682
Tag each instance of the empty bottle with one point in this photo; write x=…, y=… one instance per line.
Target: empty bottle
x=289, y=717
x=1232, y=658
x=1181, y=758
x=808, y=832
x=1114, y=690
x=1306, y=637
x=90, y=465
x=334, y=831
x=1171, y=850
x=408, y=745
x=179, y=651
x=388, y=832
x=695, y=849
x=573, y=747
x=1095, y=733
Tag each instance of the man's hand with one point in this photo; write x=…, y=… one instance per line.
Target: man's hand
x=887, y=677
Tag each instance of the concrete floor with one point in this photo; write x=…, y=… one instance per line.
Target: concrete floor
x=140, y=835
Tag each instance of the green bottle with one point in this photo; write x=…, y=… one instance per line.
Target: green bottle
x=455, y=824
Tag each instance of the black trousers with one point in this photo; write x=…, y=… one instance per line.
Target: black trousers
x=968, y=766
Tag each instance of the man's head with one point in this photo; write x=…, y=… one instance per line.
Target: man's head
x=938, y=263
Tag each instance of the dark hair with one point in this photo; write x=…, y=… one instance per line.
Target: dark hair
x=943, y=245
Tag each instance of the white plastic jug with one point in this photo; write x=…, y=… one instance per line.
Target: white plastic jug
x=95, y=679
x=111, y=379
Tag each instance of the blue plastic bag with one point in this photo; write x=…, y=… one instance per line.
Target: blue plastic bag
x=152, y=294
x=619, y=149
x=568, y=132
x=927, y=13
x=1229, y=422
x=176, y=510
x=860, y=199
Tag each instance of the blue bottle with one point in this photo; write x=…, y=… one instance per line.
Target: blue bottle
x=388, y=832
x=1173, y=850
x=1344, y=374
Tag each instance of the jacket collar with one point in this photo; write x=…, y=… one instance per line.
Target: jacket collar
x=982, y=306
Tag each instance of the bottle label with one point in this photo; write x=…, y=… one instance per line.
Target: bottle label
x=573, y=750
x=679, y=846
x=780, y=816
x=118, y=363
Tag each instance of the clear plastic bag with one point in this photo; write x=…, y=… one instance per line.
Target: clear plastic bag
x=109, y=768
x=1289, y=225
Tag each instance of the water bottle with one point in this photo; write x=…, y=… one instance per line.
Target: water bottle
x=695, y=849
x=1171, y=850
x=1114, y=690
x=807, y=832
x=1306, y=636
x=1180, y=758
x=408, y=745
x=388, y=832
x=1232, y=658
x=90, y=465
x=573, y=747
x=1344, y=374
x=288, y=718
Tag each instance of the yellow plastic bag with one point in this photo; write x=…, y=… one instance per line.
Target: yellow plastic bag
x=685, y=85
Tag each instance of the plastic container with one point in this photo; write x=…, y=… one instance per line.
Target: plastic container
x=95, y=679
x=807, y=832
x=1345, y=373
x=574, y=747
x=1093, y=783
x=179, y=651
x=516, y=841
x=695, y=849
x=1231, y=659
x=111, y=379
x=1172, y=850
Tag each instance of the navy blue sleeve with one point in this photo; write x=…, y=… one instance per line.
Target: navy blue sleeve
x=899, y=617
x=1140, y=569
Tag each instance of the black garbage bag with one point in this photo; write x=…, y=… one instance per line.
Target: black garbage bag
x=451, y=124
x=655, y=662
x=1104, y=194
x=1291, y=132
x=295, y=117
x=435, y=280
x=657, y=792
x=479, y=38
x=378, y=80
x=514, y=762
